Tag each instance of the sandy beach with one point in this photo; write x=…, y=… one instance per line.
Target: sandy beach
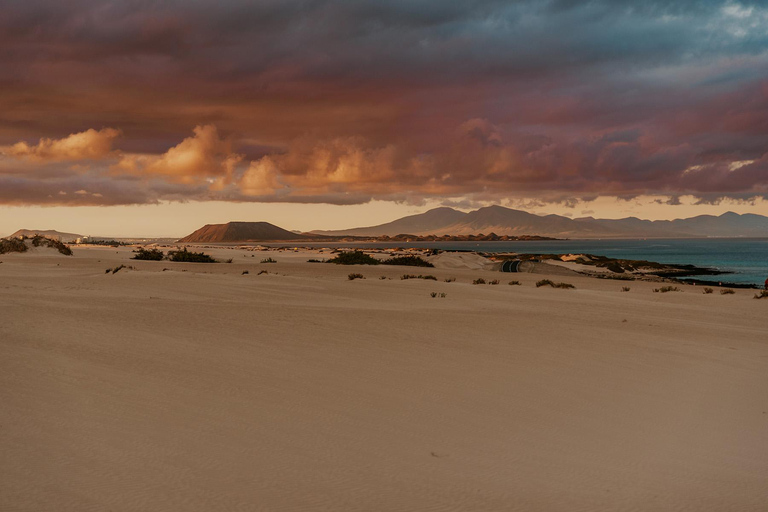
x=195, y=387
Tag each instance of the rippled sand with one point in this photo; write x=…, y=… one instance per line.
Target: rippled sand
x=209, y=389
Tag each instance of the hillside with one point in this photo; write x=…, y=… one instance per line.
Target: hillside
x=50, y=233
x=507, y=221
x=233, y=232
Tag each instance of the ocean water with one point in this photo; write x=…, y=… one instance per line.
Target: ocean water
x=746, y=259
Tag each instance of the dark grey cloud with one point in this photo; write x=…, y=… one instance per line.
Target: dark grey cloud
x=555, y=99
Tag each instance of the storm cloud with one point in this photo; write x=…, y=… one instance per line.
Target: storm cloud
x=317, y=101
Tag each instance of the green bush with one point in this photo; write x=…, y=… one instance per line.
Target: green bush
x=148, y=254
x=353, y=258
x=409, y=261
x=39, y=240
x=412, y=276
x=184, y=256
x=12, y=245
x=547, y=282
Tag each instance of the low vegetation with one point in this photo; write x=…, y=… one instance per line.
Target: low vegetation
x=409, y=261
x=269, y=260
x=727, y=291
x=479, y=280
x=665, y=289
x=449, y=279
x=186, y=256
x=547, y=282
x=8, y=245
x=436, y=294
x=494, y=282
x=352, y=277
x=148, y=254
x=44, y=241
x=353, y=258
x=514, y=283
x=413, y=276
x=707, y=291
x=625, y=288
x=617, y=277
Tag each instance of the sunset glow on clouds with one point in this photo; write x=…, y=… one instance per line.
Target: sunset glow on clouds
x=118, y=103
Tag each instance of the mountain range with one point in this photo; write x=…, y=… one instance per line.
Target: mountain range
x=507, y=221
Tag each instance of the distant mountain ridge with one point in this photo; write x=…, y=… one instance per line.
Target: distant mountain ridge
x=51, y=233
x=507, y=221
x=233, y=232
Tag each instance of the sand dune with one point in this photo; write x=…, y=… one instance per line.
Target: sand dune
x=201, y=388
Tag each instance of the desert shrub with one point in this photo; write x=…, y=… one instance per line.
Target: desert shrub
x=269, y=260
x=435, y=294
x=494, y=282
x=708, y=291
x=727, y=291
x=352, y=277
x=147, y=254
x=382, y=278
x=618, y=277
x=547, y=282
x=665, y=289
x=353, y=258
x=12, y=245
x=625, y=288
x=762, y=295
x=44, y=241
x=412, y=276
x=190, y=257
x=479, y=280
x=409, y=261
x=449, y=279
x=514, y=283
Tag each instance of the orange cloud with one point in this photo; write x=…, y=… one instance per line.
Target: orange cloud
x=88, y=145
x=202, y=157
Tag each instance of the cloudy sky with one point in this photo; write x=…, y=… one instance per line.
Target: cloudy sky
x=150, y=117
